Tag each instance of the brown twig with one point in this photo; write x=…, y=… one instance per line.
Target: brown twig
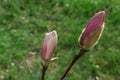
x=81, y=52
x=44, y=68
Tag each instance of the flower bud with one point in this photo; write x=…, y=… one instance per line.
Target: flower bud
x=48, y=46
x=92, y=32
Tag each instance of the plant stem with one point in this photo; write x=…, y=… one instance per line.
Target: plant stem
x=81, y=52
x=44, y=68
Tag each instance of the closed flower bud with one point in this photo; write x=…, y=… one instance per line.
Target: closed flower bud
x=92, y=32
x=48, y=46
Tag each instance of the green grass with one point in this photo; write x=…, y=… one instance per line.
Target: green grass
x=23, y=24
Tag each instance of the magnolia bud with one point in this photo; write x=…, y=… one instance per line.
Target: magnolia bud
x=49, y=45
x=92, y=32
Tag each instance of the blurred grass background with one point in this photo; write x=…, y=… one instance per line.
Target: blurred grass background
x=23, y=24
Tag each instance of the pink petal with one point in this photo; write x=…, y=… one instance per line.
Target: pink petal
x=96, y=21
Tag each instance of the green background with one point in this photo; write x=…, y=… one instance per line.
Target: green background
x=23, y=24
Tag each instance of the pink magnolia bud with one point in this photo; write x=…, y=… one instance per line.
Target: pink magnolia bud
x=49, y=45
x=93, y=31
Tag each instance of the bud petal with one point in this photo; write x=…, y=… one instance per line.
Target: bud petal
x=93, y=31
x=49, y=45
